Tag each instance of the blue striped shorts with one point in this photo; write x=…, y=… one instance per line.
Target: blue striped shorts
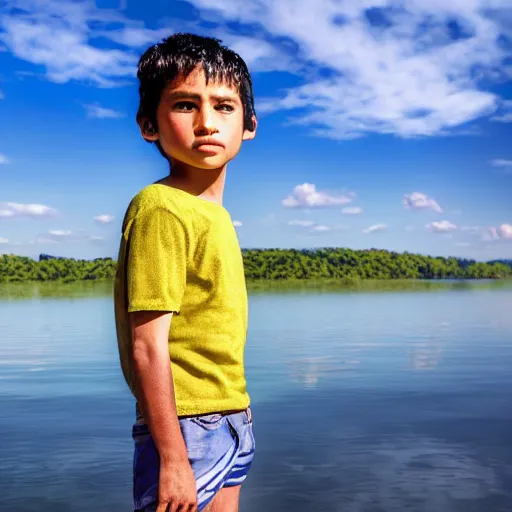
x=220, y=450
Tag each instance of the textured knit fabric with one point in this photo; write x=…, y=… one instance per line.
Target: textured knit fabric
x=180, y=253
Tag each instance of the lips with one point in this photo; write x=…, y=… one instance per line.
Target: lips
x=207, y=142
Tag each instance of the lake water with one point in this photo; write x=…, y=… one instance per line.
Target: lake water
x=363, y=402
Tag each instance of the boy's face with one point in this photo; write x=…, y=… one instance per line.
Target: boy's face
x=199, y=124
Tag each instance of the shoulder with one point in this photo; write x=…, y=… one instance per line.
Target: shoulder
x=160, y=199
x=158, y=196
x=159, y=212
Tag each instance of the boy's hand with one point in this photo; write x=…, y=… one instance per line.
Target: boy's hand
x=176, y=488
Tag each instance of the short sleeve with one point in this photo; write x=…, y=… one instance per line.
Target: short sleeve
x=156, y=261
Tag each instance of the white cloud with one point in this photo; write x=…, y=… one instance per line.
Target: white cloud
x=500, y=162
x=302, y=223
x=57, y=34
x=419, y=201
x=97, y=239
x=375, y=229
x=505, y=118
x=505, y=231
x=351, y=210
x=95, y=111
x=4, y=241
x=237, y=224
x=312, y=228
x=416, y=69
x=442, y=226
x=26, y=210
x=490, y=233
x=61, y=233
x=306, y=196
x=258, y=54
x=321, y=228
x=3, y=159
x=66, y=236
x=505, y=115
x=104, y=219
x=136, y=36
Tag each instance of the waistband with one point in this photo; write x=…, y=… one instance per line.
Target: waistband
x=140, y=417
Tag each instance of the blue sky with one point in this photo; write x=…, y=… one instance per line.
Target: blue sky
x=382, y=123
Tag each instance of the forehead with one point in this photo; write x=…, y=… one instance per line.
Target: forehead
x=195, y=82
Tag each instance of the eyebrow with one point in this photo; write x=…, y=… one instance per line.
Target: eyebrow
x=178, y=95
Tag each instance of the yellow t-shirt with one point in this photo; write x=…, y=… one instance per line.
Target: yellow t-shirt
x=180, y=253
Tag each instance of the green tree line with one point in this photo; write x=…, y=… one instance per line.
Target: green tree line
x=277, y=264
x=24, y=269
x=334, y=263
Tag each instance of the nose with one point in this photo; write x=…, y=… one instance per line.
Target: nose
x=205, y=122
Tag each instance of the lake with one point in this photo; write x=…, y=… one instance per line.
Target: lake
x=363, y=401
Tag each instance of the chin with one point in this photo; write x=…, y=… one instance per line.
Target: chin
x=206, y=162
x=209, y=163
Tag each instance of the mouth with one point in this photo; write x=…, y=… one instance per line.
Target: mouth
x=208, y=145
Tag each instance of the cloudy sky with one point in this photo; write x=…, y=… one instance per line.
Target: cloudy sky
x=383, y=123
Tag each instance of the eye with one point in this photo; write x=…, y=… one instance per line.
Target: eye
x=225, y=107
x=184, y=105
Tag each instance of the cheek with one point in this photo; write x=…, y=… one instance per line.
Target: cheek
x=179, y=128
x=174, y=128
x=236, y=131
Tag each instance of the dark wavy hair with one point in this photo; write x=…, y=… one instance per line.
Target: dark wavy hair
x=177, y=56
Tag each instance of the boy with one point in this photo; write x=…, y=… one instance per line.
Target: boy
x=179, y=258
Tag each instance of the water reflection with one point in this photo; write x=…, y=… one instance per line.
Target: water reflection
x=308, y=370
x=427, y=350
x=426, y=356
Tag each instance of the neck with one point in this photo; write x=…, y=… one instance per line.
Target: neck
x=205, y=183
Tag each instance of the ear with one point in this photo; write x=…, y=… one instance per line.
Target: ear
x=147, y=130
x=250, y=134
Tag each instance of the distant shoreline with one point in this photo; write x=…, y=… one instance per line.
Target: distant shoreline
x=104, y=287
x=281, y=267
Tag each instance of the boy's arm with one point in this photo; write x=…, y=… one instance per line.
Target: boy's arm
x=155, y=391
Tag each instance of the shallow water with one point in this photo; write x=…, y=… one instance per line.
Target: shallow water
x=363, y=402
